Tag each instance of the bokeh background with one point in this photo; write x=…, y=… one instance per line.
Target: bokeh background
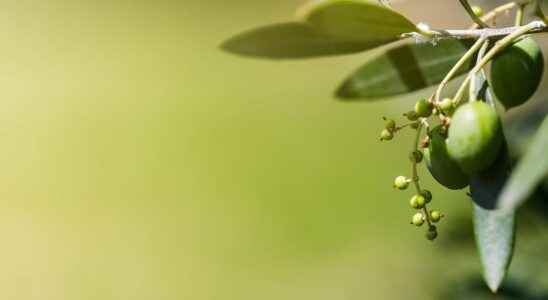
x=138, y=161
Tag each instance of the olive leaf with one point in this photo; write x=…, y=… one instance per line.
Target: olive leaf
x=494, y=232
x=403, y=69
x=329, y=27
x=356, y=20
x=531, y=169
x=291, y=40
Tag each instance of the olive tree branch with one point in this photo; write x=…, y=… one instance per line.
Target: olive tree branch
x=434, y=35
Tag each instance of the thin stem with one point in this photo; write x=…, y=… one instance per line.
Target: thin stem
x=472, y=15
x=519, y=15
x=415, y=176
x=458, y=65
x=500, y=45
x=495, y=12
x=539, y=13
x=481, y=53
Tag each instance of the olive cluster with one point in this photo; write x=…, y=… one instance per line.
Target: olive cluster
x=464, y=140
x=422, y=198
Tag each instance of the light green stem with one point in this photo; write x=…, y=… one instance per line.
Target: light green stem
x=470, y=12
x=458, y=65
x=415, y=175
x=519, y=14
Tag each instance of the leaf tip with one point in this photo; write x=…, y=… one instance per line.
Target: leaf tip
x=493, y=283
x=344, y=92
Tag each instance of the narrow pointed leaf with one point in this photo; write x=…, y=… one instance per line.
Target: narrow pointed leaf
x=290, y=40
x=485, y=187
x=364, y=20
x=403, y=69
x=530, y=171
x=494, y=232
x=323, y=28
x=494, y=229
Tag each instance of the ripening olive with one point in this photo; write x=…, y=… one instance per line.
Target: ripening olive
x=443, y=168
x=390, y=125
x=418, y=219
x=401, y=182
x=427, y=195
x=411, y=115
x=423, y=108
x=477, y=10
x=446, y=106
x=416, y=156
x=432, y=233
x=475, y=137
x=417, y=202
x=516, y=72
x=435, y=216
x=386, y=135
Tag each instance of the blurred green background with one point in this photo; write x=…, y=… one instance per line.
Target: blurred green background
x=138, y=161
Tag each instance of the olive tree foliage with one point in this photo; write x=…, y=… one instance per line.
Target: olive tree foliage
x=459, y=134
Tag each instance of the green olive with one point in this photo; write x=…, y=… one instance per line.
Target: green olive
x=386, y=135
x=432, y=233
x=516, y=72
x=418, y=219
x=475, y=137
x=423, y=108
x=442, y=167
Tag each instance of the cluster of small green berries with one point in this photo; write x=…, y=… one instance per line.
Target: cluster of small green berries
x=389, y=129
x=423, y=109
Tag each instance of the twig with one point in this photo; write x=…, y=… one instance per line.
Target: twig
x=519, y=15
x=474, y=17
x=458, y=65
x=495, y=12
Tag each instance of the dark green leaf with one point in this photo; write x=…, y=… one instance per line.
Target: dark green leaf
x=359, y=20
x=486, y=187
x=494, y=231
x=530, y=171
x=520, y=127
x=403, y=69
x=290, y=40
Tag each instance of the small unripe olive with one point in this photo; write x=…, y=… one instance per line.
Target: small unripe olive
x=446, y=106
x=432, y=233
x=401, y=182
x=443, y=168
x=435, y=216
x=418, y=219
x=427, y=195
x=475, y=137
x=417, y=202
x=390, y=125
x=386, y=135
x=478, y=11
x=423, y=108
x=415, y=156
x=516, y=72
x=411, y=115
